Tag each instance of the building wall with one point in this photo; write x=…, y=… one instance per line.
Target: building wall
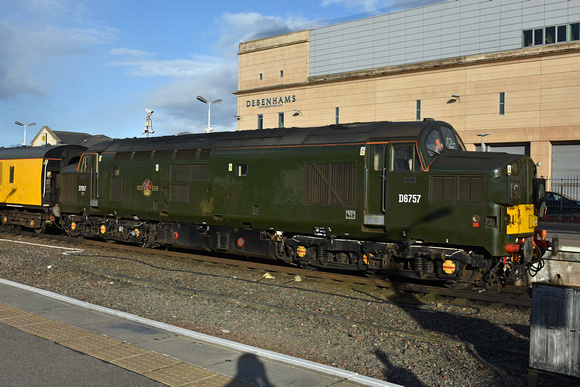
x=541, y=85
x=445, y=30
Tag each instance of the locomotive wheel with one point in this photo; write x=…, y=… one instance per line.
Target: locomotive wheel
x=464, y=282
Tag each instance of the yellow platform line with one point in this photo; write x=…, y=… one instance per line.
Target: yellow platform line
x=161, y=368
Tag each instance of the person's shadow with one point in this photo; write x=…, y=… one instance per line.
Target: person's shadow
x=250, y=370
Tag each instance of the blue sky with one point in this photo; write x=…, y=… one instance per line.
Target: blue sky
x=94, y=66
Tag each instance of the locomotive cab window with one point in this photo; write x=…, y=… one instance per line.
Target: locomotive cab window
x=442, y=139
x=404, y=158
x=85, y=165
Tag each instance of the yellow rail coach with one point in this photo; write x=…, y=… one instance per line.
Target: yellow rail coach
x=28, y=190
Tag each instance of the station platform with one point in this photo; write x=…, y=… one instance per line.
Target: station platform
x=49, y=339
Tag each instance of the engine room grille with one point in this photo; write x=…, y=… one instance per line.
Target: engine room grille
x=69, y=188
x=179, y=194
x=330, y=184
x=457, y=188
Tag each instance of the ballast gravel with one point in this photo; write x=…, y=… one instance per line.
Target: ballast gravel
x=381, y=333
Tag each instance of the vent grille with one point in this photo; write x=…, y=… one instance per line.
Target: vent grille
x=330, y=184
x=200, y=173
x=142, y=156
x=186, y=154
x=69, y=186
x=460, y=188
x=179, y=194
x=123, y=156
x=180, y=173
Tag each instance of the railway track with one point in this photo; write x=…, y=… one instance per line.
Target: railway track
x=510, y=295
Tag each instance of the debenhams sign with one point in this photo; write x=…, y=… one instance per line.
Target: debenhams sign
x=270, y=102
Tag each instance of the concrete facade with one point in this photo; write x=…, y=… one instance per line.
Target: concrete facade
x=490, y=81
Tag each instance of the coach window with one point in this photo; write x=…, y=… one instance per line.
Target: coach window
x=11, y=174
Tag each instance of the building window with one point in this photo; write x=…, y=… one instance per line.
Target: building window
x=501, y=103
x=574, y=32
x=562, y=34
x=336, y=115
x=418, y=110
x=538, y=37
x=551, y=35
x=281, y=73
x=260, y=76
x=528, y=39
x=280, y=120
x=260, y=121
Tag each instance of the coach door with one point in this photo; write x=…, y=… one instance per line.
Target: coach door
x=374, y=215
x=89, y=178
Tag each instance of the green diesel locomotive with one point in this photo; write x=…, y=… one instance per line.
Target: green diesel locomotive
x=381, y=197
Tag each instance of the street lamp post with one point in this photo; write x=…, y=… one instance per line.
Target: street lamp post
x=21, y=124
x=482, y=143
x=201, y=99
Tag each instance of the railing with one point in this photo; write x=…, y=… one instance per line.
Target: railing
x=563, y=194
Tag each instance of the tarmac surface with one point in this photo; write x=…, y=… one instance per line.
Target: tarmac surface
x=49, y=339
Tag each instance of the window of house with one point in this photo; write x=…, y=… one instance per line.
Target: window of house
x=280, y=120
x=260, y=76
x=336, y=115
x=501, y=103
x=260, y=121
x=281, y=73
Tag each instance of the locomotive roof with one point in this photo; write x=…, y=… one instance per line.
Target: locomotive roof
x=37, y=152
x=332, y=134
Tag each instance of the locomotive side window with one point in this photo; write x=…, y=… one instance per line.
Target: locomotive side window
x=379, y=157
x=404, y=158
x=242, y=170
x=11, y=174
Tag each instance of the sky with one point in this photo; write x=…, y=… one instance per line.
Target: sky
x=94, y=66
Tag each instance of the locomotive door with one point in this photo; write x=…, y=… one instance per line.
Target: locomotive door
x=89, y=172
x=374, y=214
x=406, y=193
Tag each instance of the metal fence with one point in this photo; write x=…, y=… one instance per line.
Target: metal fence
x=563, y=194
